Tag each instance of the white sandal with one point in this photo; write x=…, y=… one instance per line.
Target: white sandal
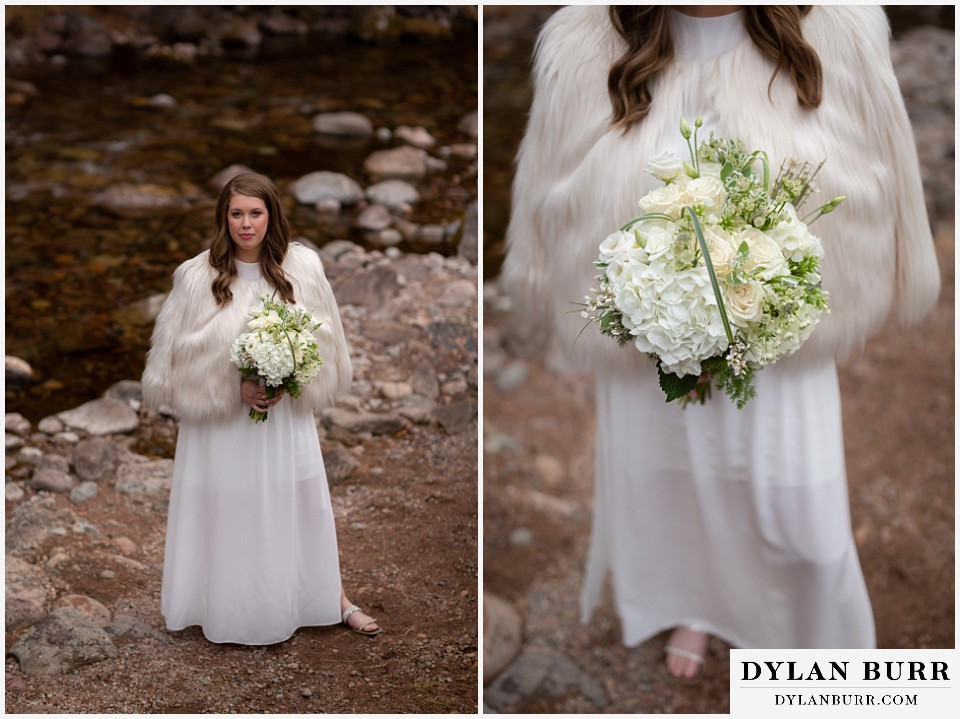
x=360, y=630
x=700, y=661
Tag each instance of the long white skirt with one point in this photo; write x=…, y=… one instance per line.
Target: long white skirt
x=737, y=521
x=251, y=548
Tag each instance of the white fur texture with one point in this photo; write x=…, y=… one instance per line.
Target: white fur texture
x=577, y=179
x=188, y=366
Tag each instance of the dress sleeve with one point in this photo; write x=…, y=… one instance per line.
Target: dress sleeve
x=561, y=128
x=157, y=381
x=887, y=125
x=313, y=292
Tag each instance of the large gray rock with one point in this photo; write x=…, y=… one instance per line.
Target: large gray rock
x=374, y=218
x=416, y=136
x=18, y=372
x=51, y=480
x=95, y=459
x=371, y=287
x=456, y=416
x=395, y=194
x=400, y=162
x=26, y=593
x=16, y=423
x=540, y=672
x=89, y=607
x=319, y=185
x=34, y=522
x=61, y=642
x=502, y=635
x=129, y=390
x=101, y=416
x=342, y=123
x=339, y=464
x=145, y=477
x=84, y=492
x=358, y=422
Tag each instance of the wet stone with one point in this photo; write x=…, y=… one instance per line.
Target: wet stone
x=416, y=136
x=50, y=425
x=395, y=194
x=16, y=423
x=342, y=123
x=400, y=162
x=316, y=185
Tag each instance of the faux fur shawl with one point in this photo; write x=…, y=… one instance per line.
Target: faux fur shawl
x=188, y=366
x=578, y=179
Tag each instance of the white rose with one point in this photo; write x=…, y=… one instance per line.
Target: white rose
x=744, y=302
x=765, y=253
x=654, y=238
x=708, y=192
x=664, y=199
x=665, y=166
x=617, y=243
x=722, y=249
x=794, y=237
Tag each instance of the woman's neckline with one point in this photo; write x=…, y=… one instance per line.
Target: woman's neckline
x=703, y=38
x=247, y=270
x=734, y=11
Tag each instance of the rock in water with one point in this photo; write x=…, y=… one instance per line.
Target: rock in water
x=342, y=123
x=318, y=185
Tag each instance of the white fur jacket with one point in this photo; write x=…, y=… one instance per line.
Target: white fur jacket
x=188, y=366
x=578, y=179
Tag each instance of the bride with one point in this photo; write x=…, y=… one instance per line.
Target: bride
x=713, y=520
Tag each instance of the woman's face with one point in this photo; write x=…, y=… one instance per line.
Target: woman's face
x=247, y=220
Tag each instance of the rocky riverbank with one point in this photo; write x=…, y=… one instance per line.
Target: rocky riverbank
x=86, y=497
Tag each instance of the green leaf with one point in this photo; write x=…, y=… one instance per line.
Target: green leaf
x=673, y=386
x=725, y=171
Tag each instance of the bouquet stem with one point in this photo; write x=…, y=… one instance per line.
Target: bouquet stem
x=258, y=416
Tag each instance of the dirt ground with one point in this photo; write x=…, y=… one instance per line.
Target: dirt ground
x=898, y=403
x=412, y=567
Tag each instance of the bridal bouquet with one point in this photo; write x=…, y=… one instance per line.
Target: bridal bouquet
x=278, y=349
x=720, y=276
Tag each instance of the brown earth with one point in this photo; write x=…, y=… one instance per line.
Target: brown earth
x=898, y=403
x=408, y=551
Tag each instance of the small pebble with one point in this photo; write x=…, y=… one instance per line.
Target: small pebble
x=108, y=574
x=306, y=692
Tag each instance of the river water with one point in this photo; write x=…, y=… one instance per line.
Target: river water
x=73, y=264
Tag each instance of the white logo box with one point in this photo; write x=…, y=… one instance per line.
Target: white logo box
x=845, y=683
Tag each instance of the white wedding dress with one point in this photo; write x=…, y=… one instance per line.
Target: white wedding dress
x=251, y=548
x=735, y=521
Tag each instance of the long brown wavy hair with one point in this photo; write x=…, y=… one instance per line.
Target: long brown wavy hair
x=275, y=242
x=774, y=29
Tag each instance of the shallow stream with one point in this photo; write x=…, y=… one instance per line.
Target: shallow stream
x=73, y=265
